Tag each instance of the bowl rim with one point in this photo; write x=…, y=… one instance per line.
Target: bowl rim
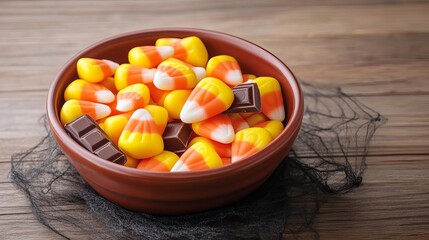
x=292, y=126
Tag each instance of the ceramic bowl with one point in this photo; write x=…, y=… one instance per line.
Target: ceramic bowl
x=180, y=192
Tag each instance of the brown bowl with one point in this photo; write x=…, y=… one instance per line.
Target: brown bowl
x=179, y=192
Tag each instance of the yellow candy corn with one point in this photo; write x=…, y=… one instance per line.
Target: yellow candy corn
x=114, y=125
x=190, y=49
x=255, y=118
x=73, y=109
x=225, y=68
x=198, y=157
x=83, y=90
x=132, y=97
x=173, y=74
x=209, y=98
x=174, y=102
x=223, y=150
x=127, y=74
x=249, y=141
x=95, y=70
x=140, y=137
x=109, y=83
x=238, y=122
x=274, y=127
x=271, y=98
x=131, y=162
x=218, y=128
x=159, y=115
x=149, y=56
x=162, y=162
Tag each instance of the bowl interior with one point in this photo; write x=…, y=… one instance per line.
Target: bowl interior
x=252, y=59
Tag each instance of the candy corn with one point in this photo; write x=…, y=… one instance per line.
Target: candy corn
x=159, y=115
x=95, y=70
x=127, y=74
x=238, y=122
x=189, y=49
x=83, y=90
x=218, y=128
x=156, y=94
x=255, y=118
x=140, y=137
x=248, y=77
x=75, y=108
x=132, y=97
x=173, y=74
x=109, y=83
x=174, y=102
x=249, y=141
x=226, y=160
x=149, y=56
x=131, y=162
x=198, y=157
x=271, y=98
x=209, y=98
x=114, y=125
x=224, y=150
x=162, y=162
x=225, y=68
x=274, y=127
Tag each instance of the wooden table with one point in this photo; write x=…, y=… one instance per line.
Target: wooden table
x=375, y=50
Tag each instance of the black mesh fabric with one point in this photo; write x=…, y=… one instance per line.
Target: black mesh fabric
x=328, y=157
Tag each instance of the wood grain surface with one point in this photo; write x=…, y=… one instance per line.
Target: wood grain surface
x=375, y=50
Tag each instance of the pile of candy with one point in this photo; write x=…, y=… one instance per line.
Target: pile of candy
x=171, y=108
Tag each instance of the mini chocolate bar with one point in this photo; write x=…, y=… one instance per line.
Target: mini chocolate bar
x=87, y=133
x=246, y=99
x=176, y=137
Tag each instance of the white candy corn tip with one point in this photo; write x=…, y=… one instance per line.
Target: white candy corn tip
x=105, y=96
x=142, y=115
x=111, y=64
x=165, y=51
x=148, y=74
x=234, y=77
x=163, y=81
x=277, y=114
x=179, y=166
x=223, y=134
x=124, y=105
x=200, y=72
x=101, y=111
x=235, y=158
x=192, y=112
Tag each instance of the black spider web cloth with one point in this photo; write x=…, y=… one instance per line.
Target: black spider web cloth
x=328, y=157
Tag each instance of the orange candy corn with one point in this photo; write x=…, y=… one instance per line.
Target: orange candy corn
x=249, y=141
x=223, y=150
x=132, y=97
x=83, y=90
x=218, y=128
x=95, y=70
x=128, y=74
x=198, y=157
x=73, y=109
x=190, y=49
x=114, y=125
x=162, y=162
x=209, y=98
x=273, y=126
x=159, y=115
x=156, y=94
x=238, y=122
x=173, y=74
x=149, y=56
x=271, y=98
x=131, y=162
x=225, y=68
x=226, y=160
x=140, y=137
x=248, y=77
x=109, y=83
